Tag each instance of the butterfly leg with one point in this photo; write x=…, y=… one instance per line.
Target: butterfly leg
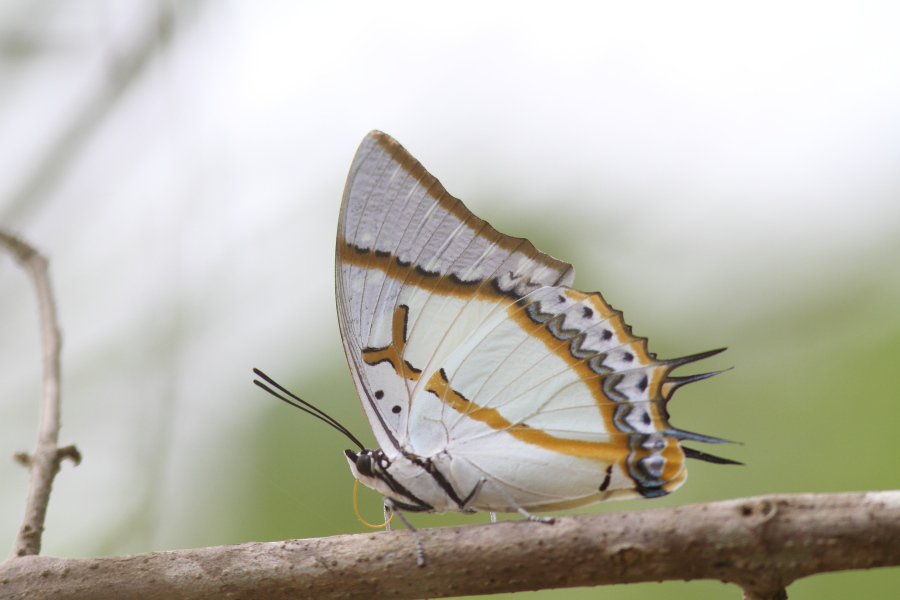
x=390, y=505
x=467, y=501
x=387, y=515
x=509, y=500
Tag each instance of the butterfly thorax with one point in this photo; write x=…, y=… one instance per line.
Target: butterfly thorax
x=414, y=483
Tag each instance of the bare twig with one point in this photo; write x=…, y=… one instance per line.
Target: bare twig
x=44, y=462
x=762, y=544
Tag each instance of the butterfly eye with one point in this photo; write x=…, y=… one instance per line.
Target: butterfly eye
x=364, y=464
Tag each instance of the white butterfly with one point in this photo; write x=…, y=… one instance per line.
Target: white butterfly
x=490, y=384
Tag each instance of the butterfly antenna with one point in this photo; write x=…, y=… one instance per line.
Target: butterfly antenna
x=303, y=405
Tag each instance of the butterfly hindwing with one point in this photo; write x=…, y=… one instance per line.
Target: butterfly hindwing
x=558, y=383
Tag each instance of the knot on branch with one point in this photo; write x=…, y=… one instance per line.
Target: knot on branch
x=71, y=452
x=22, y=250
x=763, y=510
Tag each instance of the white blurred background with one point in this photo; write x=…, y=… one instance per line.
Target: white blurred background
x=727, y=174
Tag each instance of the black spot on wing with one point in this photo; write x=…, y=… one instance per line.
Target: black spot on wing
x=454, y=278
x=409, y=367
x=383, y=360
x=426, y=273
x=643, y=383
x=607, y=479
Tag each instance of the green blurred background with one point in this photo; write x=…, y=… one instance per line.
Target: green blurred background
x=725, y=176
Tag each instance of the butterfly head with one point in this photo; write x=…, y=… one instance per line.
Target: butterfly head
x=364, y=463
x=410, y=481
x=372, y=469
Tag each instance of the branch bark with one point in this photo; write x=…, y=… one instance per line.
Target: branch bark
x=44, y=462
x=762, y=544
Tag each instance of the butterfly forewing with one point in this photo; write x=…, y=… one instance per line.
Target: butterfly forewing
x=416, y=274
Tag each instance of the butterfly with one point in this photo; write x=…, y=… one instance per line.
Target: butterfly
x=489, y=382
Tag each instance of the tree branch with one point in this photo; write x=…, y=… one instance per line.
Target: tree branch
x=45, y=460
x=761, y=544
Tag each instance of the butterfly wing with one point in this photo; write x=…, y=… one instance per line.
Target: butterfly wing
x=555, y=401
x=416, y=274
